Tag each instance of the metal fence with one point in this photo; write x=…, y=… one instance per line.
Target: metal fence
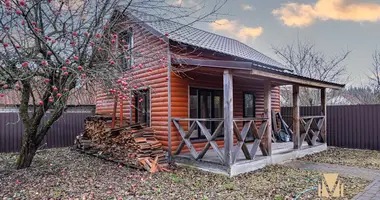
x=61, y=134
x=351, y=126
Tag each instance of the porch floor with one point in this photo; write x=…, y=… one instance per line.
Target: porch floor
x=281, y=152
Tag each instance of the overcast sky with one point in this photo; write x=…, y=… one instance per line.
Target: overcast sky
x=333, y=25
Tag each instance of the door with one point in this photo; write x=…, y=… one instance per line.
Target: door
x=206, y=104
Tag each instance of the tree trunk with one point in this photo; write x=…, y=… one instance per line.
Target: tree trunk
x=27, y=152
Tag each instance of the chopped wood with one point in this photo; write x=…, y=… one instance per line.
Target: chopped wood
x=133, y=145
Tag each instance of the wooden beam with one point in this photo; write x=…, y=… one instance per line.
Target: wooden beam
x=268, y=113
x=121, y=113
x=114, y=112
x=296, y=80
x=296, y=117
x=228, y=117
x=324, y=112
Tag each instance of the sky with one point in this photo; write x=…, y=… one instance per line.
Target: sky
x=333, y=26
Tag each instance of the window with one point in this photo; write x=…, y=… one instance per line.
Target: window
x=142, y=106
x=249, y=109
x=205, y=103
x=249, y=105
x=126, y=40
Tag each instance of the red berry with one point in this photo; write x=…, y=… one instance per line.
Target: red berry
x=5, y=45
x=49, y=53
x=76, y=58
x=41, y=102
x=22, y=3
x=59, y=95
x=65, y=73
x=80, y=67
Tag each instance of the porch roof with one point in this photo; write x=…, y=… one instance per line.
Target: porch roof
x=255, y=68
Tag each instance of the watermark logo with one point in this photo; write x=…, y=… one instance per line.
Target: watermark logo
x=330, y=186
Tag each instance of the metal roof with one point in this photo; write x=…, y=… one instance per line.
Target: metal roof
x=199, y=38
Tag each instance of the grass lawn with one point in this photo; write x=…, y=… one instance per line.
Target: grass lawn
x=63, y=174
x=349, y=157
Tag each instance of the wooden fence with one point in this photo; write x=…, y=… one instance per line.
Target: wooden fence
x=61, y=134
x=350, y=126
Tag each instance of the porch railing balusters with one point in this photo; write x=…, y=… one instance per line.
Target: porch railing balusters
x=311, y=127
x=249, y=127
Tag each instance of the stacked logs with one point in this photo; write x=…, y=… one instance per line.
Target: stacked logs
x=132, y=145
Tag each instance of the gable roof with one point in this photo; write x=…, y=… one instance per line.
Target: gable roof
x=199, y=38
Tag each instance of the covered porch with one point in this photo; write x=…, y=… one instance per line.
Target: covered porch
x=233, y=154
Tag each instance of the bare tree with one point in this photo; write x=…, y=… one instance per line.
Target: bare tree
x=374, y=78
x=306, y=61
x=52, y=48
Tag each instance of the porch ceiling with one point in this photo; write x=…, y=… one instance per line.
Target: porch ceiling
x=250, y=71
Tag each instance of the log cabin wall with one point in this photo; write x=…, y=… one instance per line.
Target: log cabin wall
x=148, y=50
x=180, y=99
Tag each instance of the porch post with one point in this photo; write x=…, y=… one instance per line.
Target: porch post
x=228, y=117
x=268, y=113
x=296, y=117
x=324, y=111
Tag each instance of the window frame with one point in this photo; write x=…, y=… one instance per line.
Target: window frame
x=127, y=65
x=253, y=106
x=148, y=117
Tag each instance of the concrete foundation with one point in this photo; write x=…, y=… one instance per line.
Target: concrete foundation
x=281, y=152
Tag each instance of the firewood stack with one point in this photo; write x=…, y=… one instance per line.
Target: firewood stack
x=132, y=145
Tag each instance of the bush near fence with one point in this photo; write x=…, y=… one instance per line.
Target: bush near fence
x=61, y=134
x=349, y=126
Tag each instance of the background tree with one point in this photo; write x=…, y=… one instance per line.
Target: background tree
x=50, y=48
x=374, y=78
x=305, y=60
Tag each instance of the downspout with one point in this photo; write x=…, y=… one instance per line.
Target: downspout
x=169, y=105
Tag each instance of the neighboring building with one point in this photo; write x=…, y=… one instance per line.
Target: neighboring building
x=209, y=83
x=80, y=99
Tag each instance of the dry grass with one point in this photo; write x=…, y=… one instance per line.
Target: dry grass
x=350, y=157
x=64, y=174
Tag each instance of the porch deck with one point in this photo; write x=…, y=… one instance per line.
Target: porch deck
x=281, y=152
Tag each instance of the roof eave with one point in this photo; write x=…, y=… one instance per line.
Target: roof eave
x=260, y=71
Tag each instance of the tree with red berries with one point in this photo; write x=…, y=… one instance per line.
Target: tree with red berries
x=50, y=48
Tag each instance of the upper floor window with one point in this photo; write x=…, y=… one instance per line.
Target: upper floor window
x=126, y=41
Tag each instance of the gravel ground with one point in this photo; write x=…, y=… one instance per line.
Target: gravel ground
x=64, y=174
x=349, y=157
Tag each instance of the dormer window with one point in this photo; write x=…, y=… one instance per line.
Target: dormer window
x=126, y=41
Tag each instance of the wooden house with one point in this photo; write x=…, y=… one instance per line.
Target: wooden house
x=209, y=98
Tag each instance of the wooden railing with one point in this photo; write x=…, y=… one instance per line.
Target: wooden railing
x=249, y=127
x=311, y=127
